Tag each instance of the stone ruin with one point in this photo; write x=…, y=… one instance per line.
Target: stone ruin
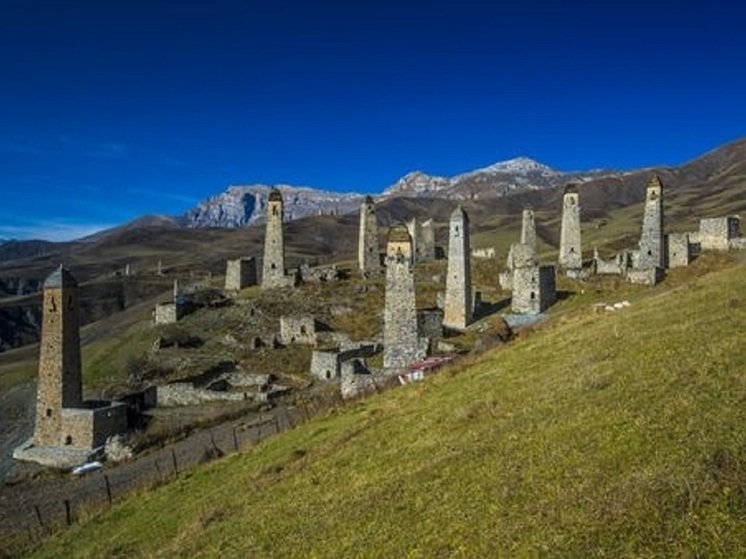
x=172, y=311
x=68, y=430
x=318, y=275
x=486, y=253
x=240, y=273
x=719, y=233
x=328, y=363
x=226, y=387
x=299, y=329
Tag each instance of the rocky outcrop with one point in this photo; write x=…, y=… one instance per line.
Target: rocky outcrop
x=241, y=206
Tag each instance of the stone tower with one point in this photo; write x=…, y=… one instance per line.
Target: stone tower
x=273, y=272
x=401, y=343
x=60, y=380
x=458, y=297
x=528, y=228
x=367, y=250
x=570, y=252
x=652, y=253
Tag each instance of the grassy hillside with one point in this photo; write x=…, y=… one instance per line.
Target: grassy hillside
x=599, y=435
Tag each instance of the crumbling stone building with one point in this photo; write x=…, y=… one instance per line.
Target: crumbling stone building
x=299, y=329
x=458, y=296
x=240, y=273
x=570, y=251
x=534, y=289
x=718, y=233
x=368, y=258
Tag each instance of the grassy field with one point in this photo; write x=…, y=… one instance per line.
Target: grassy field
x=614, y=434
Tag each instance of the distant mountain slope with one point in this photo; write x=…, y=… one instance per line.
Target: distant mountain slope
x=241, y=206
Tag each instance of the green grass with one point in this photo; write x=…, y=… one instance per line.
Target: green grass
x=599, y=435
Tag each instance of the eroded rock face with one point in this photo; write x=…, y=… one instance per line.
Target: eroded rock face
x=241, y=206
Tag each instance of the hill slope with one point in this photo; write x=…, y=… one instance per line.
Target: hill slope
x=615, y=434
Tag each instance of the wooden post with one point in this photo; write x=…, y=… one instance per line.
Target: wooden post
x=176, y=466
x=108, y=488
x=235, y=438
x=38, y=516
x=68, y=512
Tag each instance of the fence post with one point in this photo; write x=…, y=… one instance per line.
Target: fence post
x=68, y=512
x=173, y=457
x=235, y=438
x=38, y=516
x=108, y=488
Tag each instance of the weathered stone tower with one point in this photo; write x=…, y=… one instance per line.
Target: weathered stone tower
x=60, y=380
x=652, y=250
x=367, y=250
x=423, y=239
x=528, y=228
x=273, y=272
x=401, y=343
x=458, y=299
x=570, y=252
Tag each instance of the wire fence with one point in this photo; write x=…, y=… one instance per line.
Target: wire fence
x=29, y=514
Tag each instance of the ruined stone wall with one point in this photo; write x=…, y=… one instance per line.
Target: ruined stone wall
x=60, y=382
x=652, y=250
x=367, y=252
x=402, y=345
x=167, y=313
x=570, y=252
x=649, y=276
x=240, y=273
x=488, y=252
x=430, y=326
x=458, y=296
x=678, y=250
x=88, y=428
x=318, y=275
x=298, y=330
x=616, y=266
x=325, y=364
x=715, y=233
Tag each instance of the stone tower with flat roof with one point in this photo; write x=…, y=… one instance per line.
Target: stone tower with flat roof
x=652, y=250
x=367, y=251
x=458, y=297
x=273, y=269
x=401, y=343
x=60, y=380
x=570, y=252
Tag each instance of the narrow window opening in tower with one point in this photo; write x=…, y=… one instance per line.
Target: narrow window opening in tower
x=533, y=295
x=650, y=253
x=53, y=305
x=303, y=330
x=68, y=440
x=274, y=211
x=49, y=412
x=572, y=250
x=273, y=266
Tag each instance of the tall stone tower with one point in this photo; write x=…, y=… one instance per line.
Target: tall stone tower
x=652, y=253
x=570, y=252
x=60, y=380
x=528, y=228
x=273, y=272
x=458, y=300
x=401, y=343
x=367, y=250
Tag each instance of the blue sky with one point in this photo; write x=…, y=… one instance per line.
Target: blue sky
x=113, y=109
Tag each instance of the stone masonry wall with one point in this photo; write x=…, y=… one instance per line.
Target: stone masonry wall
x=715, y=233
x=678, y=250
x=652, y=250
x=240, y=273
x=368, y=259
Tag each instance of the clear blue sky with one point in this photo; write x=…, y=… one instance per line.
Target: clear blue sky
x=111, y=109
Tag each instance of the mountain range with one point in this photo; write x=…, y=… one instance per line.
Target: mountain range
x=241, y=206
